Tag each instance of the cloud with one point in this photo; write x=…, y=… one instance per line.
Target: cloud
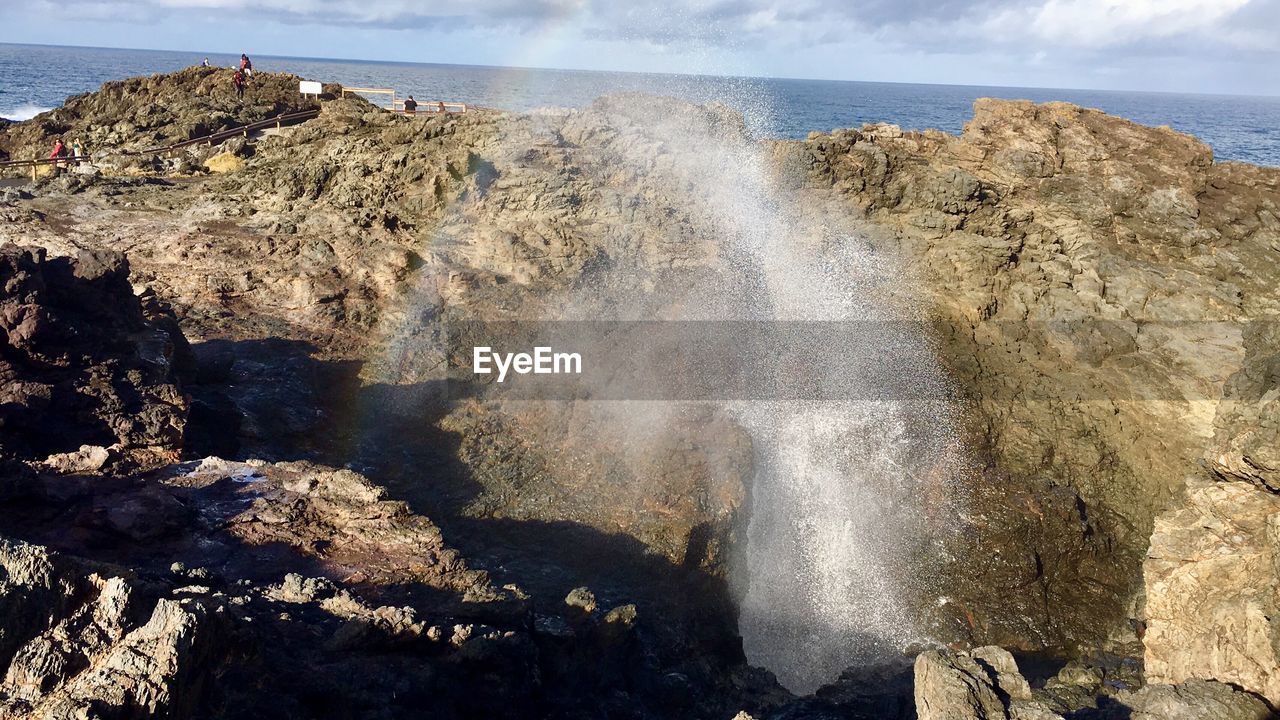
x=393, y=14
x=1096, y=23
x=933, y=26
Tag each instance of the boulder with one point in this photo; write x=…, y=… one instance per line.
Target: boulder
x=983, y=684
x=89, y=458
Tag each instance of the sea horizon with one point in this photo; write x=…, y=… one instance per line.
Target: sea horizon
x=658, y=73
x=1244, y=128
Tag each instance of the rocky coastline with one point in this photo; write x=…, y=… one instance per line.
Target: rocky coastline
x=237, y=480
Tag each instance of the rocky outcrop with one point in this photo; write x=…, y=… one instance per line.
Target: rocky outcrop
x=1246, y=442
x=1194, y=700
x=1099, y=286
x=1100, y=290
x=1211, y=571
x=85, y=363
x=983, y=684
x=1212, y=590
x=226, y=586
x=153, y=111
x=75, y=644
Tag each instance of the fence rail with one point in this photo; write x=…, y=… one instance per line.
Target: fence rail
x=277, y=121
x=211, y=139
x=397, y=106
x=36, y=163
x=431, y=108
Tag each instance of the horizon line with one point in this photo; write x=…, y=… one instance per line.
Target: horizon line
x=649, y=72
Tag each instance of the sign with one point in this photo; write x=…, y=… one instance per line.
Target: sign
x=310, y=87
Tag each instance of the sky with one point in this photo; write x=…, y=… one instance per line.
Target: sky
x=1213, y=46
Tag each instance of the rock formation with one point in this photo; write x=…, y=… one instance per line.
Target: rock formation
x=154, y=111
x=1103, y=296
x=985, y=684
x=1104, y=292
x=85, y=363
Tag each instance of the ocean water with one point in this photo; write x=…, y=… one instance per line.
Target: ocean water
x=35, y=78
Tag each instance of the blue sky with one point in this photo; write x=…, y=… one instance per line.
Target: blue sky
x=1226, y=46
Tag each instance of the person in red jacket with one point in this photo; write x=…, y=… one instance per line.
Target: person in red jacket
x=238, y=80
x=246, y=65
x=59, y=151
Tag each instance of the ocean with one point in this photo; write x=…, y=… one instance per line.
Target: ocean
x=34, y=78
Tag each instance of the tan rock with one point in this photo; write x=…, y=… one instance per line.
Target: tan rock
x=88, y=458
x=224, y=163
x=982, y=684
x=1212, y=579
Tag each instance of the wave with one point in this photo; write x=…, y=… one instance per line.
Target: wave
x=23, y=112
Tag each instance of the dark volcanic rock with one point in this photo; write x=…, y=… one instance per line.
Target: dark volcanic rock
x=84, y=362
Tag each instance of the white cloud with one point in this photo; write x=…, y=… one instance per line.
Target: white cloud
x=1101, y=23
x=1031, y=28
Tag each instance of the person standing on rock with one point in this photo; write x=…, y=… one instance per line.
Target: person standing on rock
x=238, y=80
x=246, y=66
x=410, y=106
x=77, y=151
x=59, y=151
x=205, y=63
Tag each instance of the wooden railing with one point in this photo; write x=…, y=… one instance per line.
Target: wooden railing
x=371, y=91
x=211, y=139
x=397, y=106
x=215, y=138
x=36, y=163
x=430, y=108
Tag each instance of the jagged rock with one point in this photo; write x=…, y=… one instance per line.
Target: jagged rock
x=983, y=684
x=1194, y=700
x=955, y=687
x=89, y=458
x=999, y=662
x=33, y=593
x=156, y=110
x=1247, y=425
x=82, y=363
x=1102, y=292
x=1211, y=600
x=582, y=599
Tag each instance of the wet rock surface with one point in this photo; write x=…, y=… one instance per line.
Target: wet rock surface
x=1106, y=297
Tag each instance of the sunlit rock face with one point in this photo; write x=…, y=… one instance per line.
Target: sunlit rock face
x=1052, y=307
x=1098, y=288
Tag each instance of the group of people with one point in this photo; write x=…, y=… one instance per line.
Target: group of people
x=240, y=78
x=63, y=152
x=242, y=75
x=411, y=106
